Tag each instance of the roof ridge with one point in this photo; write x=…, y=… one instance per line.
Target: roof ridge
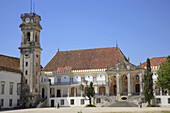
x=159, y=57
x=9, y=56
x=89, y=49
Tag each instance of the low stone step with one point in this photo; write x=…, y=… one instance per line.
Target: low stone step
x=122, y=104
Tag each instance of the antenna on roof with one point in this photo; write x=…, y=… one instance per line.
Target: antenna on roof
x=116, y=44
x=33, y=7
x=30, y=6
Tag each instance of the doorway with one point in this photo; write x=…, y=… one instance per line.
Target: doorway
x=43, y=91
x=114, y=89
x=52, y=103
x=58, y=93
x=137, y=88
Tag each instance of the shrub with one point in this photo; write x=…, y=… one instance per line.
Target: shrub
x=90, y=106
x=150, y=105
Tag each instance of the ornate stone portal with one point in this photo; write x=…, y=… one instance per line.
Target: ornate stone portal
x=124, y=79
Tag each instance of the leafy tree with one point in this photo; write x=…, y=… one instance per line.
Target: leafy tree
x=164, y=74
x=148, y=83
x=90, y=92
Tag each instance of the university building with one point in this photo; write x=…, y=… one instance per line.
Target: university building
x=10, y=81
x=116, y=81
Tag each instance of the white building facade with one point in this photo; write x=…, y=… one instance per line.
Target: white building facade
x=161, y=96
x=10, y=83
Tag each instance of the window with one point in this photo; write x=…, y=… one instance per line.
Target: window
x=64, y=77
x=72, y=101
x=18, y=89
x=10, y=102
x=62, y=101
x=26, y=81
x=168, y=100
x=2, y=102
x=137, y=78
x=82, y=101
x=36, y=64
x=26, y=72
x=11, y=88
x=71, y=79
x=26, y=63
x=158, y=100
x=59, y=80
x=18, y=101
x=2, y=87
x=82, y=79
x=28, y=36
x=98, y=100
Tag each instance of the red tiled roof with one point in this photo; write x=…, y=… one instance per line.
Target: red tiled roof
x=156, y=61
x=9, y=62
x=84, y=59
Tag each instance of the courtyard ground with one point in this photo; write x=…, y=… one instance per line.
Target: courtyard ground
x=92, y=110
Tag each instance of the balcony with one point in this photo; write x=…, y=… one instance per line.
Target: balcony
x=65, y=83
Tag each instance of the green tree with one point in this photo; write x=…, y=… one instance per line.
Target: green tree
x=164, y=74
x=148, y=83
x=90, y=92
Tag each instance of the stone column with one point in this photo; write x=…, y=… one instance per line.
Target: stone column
x=55, y=91
x=68, y=93
x=161, y=91
x=81, y=93
x=48, y=91
x=74, y=91
x=107, y=84
x=129, y=85
x=118, y=84
x=141, y=86
x=62, y=92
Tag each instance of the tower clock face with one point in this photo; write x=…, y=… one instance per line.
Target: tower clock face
x=27, y=19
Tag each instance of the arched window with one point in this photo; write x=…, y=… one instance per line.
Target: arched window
x=137, y=78
x=28, y=36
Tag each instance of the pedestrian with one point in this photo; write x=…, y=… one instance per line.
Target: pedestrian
x=140, y=104
x=58, y=105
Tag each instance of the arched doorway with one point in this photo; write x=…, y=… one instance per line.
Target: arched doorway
x=43, y=92
x=124, y=85
x=52, y=103
x=102, y=90
x=136, y=85
x=114, y=89
x=112, y=85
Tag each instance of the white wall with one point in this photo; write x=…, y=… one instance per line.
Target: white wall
x=164, y=100
x=65, y=79
x=10, y=77
x=100, y=77
x=77, y=101
x=89, y=78
x=76, y=78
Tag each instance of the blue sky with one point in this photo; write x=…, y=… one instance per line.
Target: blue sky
x=141, y=27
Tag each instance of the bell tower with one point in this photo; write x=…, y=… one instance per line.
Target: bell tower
x=30, y=54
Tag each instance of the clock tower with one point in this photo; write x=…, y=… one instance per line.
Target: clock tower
x=30, y=54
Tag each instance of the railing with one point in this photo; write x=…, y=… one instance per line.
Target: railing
x=80, y=82
x=64, y=83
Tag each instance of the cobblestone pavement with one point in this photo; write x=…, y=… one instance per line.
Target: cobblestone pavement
x=90, y=110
